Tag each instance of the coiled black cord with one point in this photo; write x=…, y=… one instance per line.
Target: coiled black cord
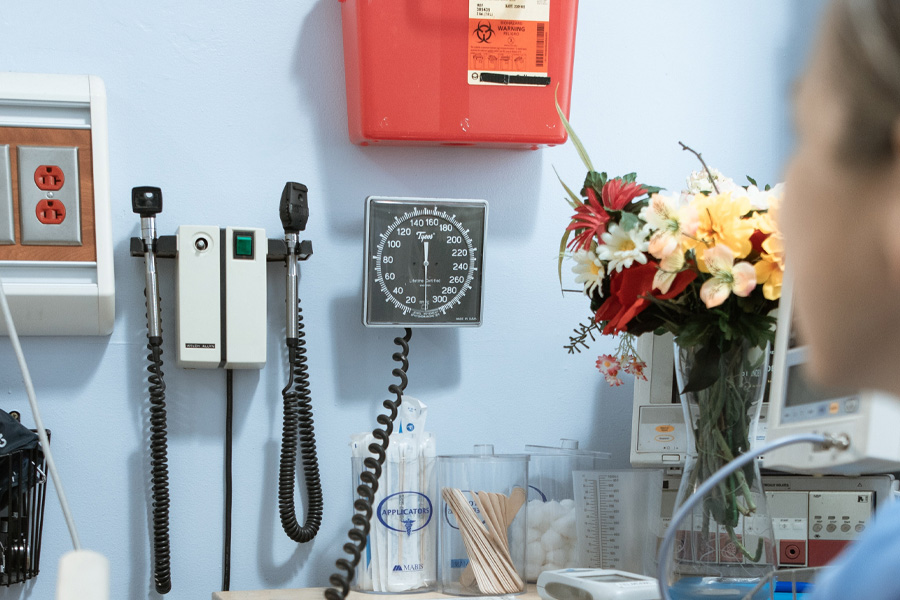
x=366, y=490
x=298, y=422
x=159, y=468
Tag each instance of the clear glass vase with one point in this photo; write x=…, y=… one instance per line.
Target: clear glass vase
x=725, y=546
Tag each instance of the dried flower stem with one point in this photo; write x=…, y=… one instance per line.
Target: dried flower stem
x=709, y=174
x=581, y=334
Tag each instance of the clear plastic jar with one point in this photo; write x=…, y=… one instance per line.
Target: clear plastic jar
x=550, y=535
x=493, y=488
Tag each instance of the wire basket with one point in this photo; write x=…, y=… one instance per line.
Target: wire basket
x=23, y=489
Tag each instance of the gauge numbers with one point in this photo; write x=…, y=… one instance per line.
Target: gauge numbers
x=424, y=262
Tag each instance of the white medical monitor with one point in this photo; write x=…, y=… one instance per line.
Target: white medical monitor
x=870, y=420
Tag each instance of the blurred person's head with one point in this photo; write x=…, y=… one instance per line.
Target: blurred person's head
x=841, y=216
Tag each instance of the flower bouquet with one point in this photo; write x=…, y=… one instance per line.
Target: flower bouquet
x=706, y=265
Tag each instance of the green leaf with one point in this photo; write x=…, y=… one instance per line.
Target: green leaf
x=751, y=180
x=595, y=181
x=562, y=255
x=575, y=141
x=652, y=189
x=629, y=221
x=705, y=371
x=576, y=201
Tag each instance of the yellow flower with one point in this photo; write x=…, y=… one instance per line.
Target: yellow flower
x=770, y=267
x=721, y=222
x=767, y=222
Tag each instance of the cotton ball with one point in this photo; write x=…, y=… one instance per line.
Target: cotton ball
x=551, y=540
x=534, y=553
x=533, y=535
x=536, y=516
x=560, y=556
x=552, y=510
x=568, y=504
x=565, y=525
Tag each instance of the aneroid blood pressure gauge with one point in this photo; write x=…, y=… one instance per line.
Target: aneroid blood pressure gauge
x=424, y=262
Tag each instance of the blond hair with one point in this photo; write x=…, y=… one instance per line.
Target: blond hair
x=864, y=38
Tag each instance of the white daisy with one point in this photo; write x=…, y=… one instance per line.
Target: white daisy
x=621, y=248
x=589, y=271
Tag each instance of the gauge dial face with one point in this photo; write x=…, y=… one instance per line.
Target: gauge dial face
x=424, y=262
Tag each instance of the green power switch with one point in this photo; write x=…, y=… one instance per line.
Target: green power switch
x=243, y=246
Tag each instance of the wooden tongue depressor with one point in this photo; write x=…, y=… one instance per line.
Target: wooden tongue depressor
x=512, y=505
x=493, y=568
x=481, y=554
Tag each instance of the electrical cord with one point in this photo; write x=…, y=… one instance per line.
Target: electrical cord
x=229, y=439
x=36, y=414
x=298, y=425
x=665, y=548
x=366, y=490
x=159, y=470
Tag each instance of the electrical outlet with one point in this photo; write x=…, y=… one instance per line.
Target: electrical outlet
x=49, y=177
x=7, y=228
x=49, y=196
x=50, y=211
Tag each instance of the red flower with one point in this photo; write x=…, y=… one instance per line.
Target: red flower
x=757, y=240
x=609, y=366
x=590, y=218
x=617, y=194
x=635, y=367
x=627, y=291
x=589, y=222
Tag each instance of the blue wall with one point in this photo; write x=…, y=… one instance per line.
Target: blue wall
x=221, y=103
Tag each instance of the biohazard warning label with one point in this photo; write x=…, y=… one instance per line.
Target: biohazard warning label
x=509, y=42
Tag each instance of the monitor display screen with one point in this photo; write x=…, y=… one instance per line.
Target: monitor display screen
x=804, y=401
x=801, y=391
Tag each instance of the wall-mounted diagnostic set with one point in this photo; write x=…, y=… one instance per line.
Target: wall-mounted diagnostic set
x=221, y=314
x=55, y=230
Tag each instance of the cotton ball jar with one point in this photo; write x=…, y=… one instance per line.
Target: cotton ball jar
x=551, y=538
x=551, y=524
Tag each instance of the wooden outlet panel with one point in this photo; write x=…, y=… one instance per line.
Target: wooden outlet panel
x=34, y=136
